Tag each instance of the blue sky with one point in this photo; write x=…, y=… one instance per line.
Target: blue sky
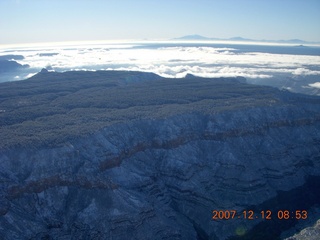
x=29, y=21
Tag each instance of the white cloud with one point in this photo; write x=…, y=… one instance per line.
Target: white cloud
x=29, y=75
x=315, y=85
x=169, y=61
x=304, y=71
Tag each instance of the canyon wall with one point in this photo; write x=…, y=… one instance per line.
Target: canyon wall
x=160, y=175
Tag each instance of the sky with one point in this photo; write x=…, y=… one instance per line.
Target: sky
x=33, y=21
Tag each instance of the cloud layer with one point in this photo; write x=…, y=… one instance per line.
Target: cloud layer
x=169, y=61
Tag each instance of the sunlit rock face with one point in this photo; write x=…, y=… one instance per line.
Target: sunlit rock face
x=160, y=173
x=310, y=233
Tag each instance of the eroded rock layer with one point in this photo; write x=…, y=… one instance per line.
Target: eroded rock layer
x=159, y=175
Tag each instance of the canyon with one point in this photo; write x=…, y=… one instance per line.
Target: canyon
x=112, y=154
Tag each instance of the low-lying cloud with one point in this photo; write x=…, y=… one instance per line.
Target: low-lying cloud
x=315, y=85
x=170, y=61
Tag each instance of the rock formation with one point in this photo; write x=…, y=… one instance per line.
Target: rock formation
x=129, y=155
x=310, y=233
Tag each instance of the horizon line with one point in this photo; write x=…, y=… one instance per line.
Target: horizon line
x=162, y=40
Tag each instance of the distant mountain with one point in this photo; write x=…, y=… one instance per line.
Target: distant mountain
x=192, y=37
x=8, y=63
x=196, y=37
x=11, y=57
x=297, y=41
x=240, y=39
x=9, y=66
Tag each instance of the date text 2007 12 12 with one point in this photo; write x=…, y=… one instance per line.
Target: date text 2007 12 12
x=264, y=214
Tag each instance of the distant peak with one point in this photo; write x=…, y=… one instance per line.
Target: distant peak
x=197, y=37
x=239, y=39
x=192, y=37
x=189, y=75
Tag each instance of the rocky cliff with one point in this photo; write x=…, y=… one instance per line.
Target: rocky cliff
x=310, y=233
x=128, y=155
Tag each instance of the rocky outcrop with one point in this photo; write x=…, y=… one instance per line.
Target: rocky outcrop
x=310, y=233
x=161, y=176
